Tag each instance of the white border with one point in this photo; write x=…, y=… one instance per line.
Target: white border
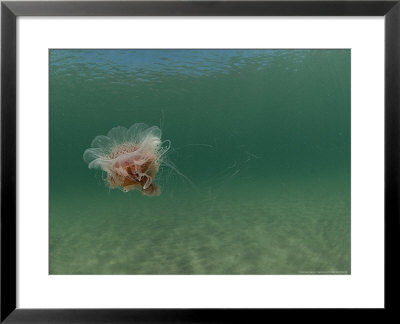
x=363, y=288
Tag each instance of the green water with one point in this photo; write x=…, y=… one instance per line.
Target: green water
x=261, y=139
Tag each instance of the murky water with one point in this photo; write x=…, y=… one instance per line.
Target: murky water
x=261, y=142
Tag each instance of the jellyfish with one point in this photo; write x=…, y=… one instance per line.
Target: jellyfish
x=130, y=157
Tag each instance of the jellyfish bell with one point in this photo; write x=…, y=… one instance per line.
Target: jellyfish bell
x=130, y=157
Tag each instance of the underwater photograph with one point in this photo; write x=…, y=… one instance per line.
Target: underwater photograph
x=200, y=161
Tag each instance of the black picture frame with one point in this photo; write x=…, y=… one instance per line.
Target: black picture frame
x=10, y=10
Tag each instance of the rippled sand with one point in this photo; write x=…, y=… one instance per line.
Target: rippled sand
x=286, y=231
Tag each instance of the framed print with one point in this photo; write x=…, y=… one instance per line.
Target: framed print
x=197, y=161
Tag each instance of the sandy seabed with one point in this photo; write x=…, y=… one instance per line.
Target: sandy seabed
x=289, y=231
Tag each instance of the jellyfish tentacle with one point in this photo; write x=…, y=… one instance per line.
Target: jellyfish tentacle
x=148, y=181
x=165, y=149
